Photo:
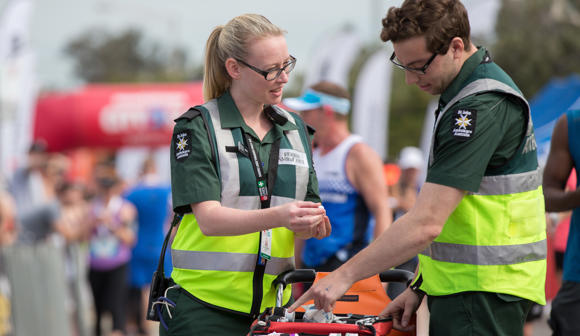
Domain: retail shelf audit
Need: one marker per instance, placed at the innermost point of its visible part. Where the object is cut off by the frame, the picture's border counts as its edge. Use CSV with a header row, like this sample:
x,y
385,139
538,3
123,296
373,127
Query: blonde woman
x,y
242,174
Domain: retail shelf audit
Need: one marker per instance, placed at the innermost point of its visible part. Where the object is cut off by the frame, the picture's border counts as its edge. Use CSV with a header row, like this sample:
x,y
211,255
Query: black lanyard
x,y
265,187
264,184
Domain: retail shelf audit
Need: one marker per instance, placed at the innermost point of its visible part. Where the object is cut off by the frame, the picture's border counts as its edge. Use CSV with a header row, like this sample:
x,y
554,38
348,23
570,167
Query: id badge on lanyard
x,y
266,244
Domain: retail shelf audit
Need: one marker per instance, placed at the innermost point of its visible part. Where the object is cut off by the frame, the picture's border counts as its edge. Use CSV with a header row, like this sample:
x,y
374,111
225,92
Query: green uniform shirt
x,y
469,144
195,178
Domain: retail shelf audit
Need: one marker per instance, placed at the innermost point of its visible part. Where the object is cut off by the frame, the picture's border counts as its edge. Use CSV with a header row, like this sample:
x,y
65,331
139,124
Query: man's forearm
x,y
558,200
404,239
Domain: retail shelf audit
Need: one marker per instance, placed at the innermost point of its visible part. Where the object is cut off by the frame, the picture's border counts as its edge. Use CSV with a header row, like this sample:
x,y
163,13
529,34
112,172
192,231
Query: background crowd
x,y
108,233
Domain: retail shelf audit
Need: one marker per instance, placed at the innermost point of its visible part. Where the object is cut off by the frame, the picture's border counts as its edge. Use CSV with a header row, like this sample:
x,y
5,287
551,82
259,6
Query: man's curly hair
x,y
438,20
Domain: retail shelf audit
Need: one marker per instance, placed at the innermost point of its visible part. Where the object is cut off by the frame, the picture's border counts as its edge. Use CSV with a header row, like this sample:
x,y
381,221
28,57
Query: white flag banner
x,y
428,123
372,96
427,135
17,84
333,59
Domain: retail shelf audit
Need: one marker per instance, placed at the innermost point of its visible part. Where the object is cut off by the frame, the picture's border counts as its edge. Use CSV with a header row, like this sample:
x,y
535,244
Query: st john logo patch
x,y
182,145
463,124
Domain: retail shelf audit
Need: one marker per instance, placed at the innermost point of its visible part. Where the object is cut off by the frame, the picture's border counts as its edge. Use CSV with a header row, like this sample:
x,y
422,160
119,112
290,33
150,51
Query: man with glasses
x,y
478,224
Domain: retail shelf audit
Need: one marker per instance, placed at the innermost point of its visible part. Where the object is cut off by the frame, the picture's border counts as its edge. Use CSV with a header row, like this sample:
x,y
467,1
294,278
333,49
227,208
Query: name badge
x,y
292,157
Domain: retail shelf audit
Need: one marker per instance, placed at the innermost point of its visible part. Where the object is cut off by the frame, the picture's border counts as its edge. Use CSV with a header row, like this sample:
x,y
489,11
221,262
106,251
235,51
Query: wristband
x,y
415,289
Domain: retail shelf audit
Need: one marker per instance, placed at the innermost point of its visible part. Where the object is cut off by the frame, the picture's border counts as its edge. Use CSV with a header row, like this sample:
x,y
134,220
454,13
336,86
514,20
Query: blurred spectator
x,y
151,198
37,208
8,231
72,231
7,237
411,164
72,224
563,157
112,237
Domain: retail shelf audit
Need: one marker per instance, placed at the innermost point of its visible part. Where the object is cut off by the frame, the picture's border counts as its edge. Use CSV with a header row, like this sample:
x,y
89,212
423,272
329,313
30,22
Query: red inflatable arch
x,y
113,116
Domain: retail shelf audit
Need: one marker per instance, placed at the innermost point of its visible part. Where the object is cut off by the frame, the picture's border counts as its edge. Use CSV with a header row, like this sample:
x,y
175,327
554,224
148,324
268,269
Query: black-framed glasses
x,y
273,73
422,70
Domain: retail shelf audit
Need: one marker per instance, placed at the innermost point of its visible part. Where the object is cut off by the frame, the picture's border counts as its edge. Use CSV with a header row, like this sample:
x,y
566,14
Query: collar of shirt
x,y
459,82
231,118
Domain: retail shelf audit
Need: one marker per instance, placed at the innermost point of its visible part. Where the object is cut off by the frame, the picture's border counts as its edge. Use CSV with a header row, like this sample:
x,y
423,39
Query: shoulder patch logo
x,y
182,145
463,124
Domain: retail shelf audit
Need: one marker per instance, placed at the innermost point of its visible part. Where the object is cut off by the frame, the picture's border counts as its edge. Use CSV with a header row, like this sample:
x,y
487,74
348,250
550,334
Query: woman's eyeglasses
x,y
273,73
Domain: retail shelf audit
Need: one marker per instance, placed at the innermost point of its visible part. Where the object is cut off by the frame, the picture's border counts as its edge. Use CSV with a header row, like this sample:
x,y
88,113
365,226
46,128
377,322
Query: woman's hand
x,y
319,231
306,219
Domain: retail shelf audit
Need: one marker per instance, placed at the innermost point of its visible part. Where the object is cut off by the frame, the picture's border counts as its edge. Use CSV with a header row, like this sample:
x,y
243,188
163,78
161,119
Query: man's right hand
x,y
402,309
324,292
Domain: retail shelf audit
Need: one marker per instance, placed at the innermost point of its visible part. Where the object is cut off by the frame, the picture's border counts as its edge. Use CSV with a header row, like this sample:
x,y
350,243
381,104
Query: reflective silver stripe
x,y
229,166
302,173
485,84
486,255
228,262
279,200
509,184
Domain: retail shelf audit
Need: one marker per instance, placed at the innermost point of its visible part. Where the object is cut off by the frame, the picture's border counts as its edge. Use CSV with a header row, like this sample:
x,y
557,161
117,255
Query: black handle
x,y
308,275
293,276
397,275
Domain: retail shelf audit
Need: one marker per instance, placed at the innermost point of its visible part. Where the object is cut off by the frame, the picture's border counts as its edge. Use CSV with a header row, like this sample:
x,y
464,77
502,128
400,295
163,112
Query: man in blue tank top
x,y
350,179
564,156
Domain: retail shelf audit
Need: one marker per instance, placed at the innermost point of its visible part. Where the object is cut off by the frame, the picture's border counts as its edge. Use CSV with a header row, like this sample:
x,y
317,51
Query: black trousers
x,y
565,314
110,292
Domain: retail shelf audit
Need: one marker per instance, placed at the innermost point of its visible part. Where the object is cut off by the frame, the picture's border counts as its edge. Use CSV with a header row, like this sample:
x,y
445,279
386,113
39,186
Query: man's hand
x,y
402,309
325,292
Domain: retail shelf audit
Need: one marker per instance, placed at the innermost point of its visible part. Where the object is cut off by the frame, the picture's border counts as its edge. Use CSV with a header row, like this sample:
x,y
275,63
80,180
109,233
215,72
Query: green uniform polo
x,y
195,179
497,128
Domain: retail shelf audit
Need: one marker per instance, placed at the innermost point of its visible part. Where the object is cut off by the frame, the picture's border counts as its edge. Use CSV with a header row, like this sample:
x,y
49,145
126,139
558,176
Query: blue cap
x,y
311,100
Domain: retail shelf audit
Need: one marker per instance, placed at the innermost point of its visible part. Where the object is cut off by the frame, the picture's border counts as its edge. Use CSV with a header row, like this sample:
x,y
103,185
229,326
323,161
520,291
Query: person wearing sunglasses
x,y
478,223
243,179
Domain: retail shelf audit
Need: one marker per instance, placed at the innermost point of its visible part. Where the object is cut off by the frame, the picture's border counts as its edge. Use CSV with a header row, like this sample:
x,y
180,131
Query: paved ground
x,y
540,327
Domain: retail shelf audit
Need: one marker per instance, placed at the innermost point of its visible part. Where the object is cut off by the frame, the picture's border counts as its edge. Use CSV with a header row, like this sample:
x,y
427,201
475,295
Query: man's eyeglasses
x,y
273,73
422,70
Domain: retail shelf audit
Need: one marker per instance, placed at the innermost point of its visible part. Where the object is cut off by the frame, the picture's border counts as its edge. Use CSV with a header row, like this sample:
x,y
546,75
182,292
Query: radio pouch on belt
x,y
160,283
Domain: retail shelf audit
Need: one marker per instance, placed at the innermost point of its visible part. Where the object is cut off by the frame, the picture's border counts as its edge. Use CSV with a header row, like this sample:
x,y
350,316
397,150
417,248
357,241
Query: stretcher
x,y
355,313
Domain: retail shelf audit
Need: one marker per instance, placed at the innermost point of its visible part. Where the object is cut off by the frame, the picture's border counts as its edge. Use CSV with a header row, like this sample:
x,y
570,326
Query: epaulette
x,y
189,114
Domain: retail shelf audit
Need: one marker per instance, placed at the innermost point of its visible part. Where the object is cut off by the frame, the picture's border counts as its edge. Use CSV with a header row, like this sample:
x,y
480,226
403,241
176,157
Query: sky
x,y
188,23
